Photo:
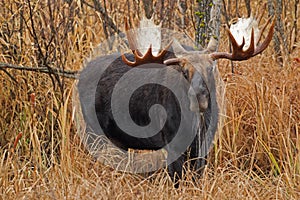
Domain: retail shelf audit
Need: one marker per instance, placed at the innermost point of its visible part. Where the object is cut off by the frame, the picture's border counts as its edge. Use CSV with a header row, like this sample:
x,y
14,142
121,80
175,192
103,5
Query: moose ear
x,y
212,45
178,50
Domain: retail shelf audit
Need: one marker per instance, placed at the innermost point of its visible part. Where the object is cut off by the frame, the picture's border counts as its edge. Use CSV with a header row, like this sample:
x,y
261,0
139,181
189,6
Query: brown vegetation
x,y
256,154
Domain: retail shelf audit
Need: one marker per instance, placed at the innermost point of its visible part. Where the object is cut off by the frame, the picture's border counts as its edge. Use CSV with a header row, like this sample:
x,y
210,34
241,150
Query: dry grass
x,y
256,156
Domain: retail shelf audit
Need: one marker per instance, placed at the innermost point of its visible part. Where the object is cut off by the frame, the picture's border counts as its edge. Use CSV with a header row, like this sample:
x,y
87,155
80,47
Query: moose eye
x,y
186,74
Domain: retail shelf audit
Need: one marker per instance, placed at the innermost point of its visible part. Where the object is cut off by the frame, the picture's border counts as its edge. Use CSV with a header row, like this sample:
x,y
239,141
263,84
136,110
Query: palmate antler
x,y
140,59
238,53
147,58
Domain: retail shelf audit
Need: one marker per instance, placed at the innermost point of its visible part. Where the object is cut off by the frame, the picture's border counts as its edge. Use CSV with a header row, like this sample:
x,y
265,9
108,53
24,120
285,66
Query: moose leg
x,y
175,169
197,162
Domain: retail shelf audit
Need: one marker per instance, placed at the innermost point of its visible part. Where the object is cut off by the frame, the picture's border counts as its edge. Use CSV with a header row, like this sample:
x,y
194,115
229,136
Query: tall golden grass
x,y
256,154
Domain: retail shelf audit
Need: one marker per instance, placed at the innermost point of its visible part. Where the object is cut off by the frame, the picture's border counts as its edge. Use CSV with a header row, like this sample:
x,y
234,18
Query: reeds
x,y
255,156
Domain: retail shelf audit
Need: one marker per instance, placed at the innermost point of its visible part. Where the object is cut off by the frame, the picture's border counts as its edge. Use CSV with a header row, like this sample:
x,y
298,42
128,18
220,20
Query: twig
x,y
248,7
53,70
41,58
9,75
97,6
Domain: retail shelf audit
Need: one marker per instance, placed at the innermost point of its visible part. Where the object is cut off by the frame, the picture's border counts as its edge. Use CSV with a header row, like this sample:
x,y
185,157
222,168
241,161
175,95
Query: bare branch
x,y
9,75
53,70
97,6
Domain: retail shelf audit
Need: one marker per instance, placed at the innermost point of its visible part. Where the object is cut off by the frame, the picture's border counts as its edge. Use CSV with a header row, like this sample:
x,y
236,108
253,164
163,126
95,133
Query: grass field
x,y
256,154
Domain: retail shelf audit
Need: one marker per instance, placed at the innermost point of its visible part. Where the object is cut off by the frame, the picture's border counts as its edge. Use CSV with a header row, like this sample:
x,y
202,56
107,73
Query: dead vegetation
x,y
256,154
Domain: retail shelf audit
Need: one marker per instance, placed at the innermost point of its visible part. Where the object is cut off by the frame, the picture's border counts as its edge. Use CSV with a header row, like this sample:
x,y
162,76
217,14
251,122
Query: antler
x,y
147,58
238,53
139,57
131,37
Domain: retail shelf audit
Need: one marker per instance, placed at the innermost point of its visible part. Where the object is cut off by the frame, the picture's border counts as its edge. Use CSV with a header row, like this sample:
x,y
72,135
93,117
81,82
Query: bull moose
x,y
196,108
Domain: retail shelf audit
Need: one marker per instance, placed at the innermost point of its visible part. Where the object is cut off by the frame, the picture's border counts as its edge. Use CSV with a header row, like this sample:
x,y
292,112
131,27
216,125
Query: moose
x,y
198,97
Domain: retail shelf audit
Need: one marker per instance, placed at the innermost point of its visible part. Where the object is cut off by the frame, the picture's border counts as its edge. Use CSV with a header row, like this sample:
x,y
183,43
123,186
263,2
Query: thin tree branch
x,y
97,6
53,70
9,75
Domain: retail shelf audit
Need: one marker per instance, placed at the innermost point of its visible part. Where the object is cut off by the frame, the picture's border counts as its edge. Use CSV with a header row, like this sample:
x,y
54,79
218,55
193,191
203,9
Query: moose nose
x,y
203,102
